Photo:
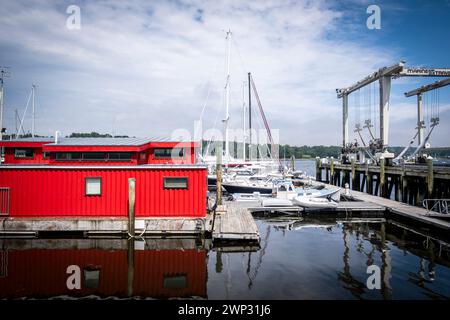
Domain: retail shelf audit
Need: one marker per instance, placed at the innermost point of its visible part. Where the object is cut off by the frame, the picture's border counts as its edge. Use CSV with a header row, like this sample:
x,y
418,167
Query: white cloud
x,y
142,67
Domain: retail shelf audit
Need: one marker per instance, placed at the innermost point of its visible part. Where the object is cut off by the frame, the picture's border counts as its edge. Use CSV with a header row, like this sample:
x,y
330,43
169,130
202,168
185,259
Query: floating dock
x,y
235,223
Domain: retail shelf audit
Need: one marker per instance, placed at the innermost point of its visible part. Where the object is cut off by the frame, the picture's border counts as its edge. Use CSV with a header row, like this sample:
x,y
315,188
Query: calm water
x,y
311,259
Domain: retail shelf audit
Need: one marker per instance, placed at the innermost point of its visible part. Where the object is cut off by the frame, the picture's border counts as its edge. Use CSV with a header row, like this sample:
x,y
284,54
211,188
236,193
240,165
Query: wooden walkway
x,y
359,206
402,209
236,223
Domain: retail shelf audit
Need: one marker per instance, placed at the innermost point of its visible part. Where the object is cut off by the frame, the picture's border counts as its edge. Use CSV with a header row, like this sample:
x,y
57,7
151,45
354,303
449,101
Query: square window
x,y
24,153
93,186
175,182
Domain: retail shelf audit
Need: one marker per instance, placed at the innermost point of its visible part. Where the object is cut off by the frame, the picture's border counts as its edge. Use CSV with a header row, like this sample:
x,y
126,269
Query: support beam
x,y
420,121
385,92
385,71
344,120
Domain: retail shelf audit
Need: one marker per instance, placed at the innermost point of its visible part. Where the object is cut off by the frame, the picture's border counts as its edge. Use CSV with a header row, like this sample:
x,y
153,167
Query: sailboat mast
x,y
227,95
4,73
32,123
243,120
1,108
249,119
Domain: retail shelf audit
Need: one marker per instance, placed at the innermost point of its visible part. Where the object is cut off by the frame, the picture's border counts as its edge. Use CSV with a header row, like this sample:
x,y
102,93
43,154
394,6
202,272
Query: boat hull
x,y
232,188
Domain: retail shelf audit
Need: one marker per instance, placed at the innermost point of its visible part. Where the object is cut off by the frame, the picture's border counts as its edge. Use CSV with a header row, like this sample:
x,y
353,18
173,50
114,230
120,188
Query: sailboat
x,y
241,175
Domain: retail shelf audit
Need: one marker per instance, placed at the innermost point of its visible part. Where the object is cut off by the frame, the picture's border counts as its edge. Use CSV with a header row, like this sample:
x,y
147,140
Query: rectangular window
x,y
24,153
94,156
46,155
119,156
93,186
175,182
68,156
173,153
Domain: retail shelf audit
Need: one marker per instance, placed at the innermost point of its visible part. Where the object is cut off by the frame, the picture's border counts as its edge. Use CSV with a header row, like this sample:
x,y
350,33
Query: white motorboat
x,y
249,197
331,200
275,202
317,203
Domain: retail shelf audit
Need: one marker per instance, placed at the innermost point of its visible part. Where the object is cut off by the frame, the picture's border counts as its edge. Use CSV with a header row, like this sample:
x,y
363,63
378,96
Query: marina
x,y
136,169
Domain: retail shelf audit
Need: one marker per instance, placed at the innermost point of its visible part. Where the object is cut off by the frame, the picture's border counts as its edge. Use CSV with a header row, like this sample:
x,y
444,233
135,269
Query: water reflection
x,y
298,258
322,258
109,268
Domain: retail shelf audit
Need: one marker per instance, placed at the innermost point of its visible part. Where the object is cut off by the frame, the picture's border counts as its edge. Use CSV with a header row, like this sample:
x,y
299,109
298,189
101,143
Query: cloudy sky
x,y
146,68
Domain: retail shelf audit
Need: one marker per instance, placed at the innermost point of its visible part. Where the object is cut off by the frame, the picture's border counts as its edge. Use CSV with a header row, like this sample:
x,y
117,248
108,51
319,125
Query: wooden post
x,y
369,183
390,186
346,178
355,182
398,193
219,173
363,182
404,185
382,178
332,178
293,163
131,202
377,185
318,170
430,177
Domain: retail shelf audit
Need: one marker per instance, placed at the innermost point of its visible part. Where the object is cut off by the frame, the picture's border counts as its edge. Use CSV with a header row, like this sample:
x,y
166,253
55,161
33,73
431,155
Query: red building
x,y
89,177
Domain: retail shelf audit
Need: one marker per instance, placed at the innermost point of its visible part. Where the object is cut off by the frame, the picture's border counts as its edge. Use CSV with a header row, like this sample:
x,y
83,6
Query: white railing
x,y
437,205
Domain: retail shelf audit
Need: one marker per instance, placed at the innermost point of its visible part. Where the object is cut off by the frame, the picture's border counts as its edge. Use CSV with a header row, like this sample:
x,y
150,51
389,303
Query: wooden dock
x,y
234,224
408,183
359,206
402,209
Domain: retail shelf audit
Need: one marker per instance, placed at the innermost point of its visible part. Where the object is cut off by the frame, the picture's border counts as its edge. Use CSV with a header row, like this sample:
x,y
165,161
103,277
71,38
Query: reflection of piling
x,y
131,202
386,265
130,263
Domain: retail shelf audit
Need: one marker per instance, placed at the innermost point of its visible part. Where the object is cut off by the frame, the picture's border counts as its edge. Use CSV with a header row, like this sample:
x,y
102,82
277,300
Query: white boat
x,y
249,197
275,202
318,203
329,201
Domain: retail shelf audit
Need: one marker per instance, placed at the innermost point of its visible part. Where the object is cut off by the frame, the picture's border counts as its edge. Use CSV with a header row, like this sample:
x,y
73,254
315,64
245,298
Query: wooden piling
x,y
318,171
332,178
219,173
354,184
430,177
293,163
131,205
382,178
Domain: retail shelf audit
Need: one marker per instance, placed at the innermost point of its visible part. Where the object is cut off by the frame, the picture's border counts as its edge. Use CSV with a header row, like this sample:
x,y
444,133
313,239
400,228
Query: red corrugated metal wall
x,y
42,273
61,192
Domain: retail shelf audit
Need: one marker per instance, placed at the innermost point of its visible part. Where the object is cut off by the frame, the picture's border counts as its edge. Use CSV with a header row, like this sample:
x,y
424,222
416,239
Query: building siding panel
x,y
61,192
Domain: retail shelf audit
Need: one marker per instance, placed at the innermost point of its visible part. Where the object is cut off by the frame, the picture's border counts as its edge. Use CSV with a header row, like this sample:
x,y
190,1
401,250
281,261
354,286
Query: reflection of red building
x,y
89,177
41,273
